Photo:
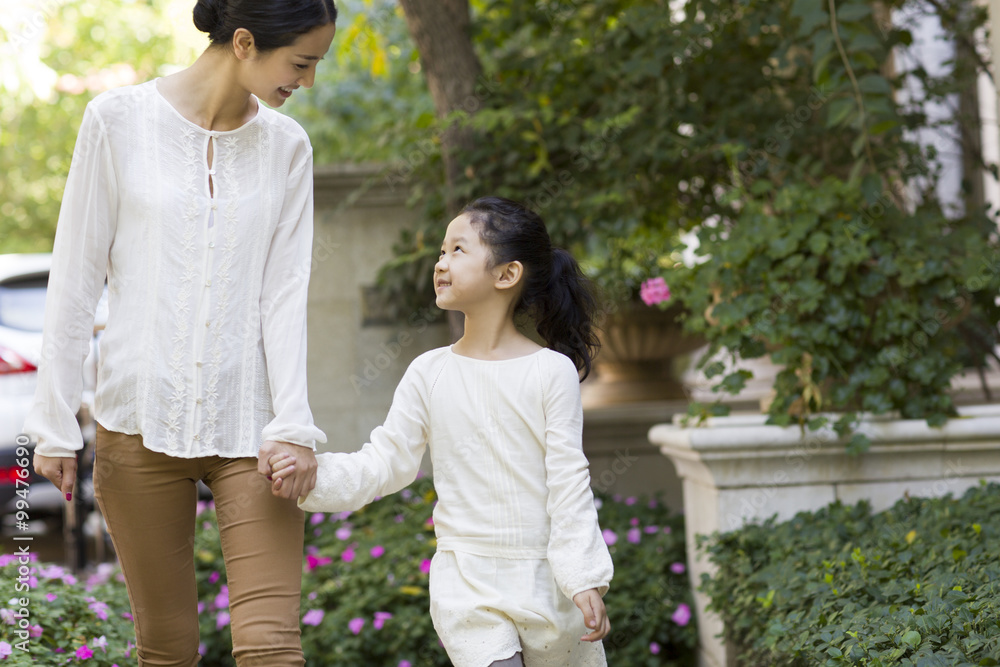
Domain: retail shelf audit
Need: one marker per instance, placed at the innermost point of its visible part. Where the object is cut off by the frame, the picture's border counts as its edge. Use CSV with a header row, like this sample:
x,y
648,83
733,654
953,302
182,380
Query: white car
x,y
23,284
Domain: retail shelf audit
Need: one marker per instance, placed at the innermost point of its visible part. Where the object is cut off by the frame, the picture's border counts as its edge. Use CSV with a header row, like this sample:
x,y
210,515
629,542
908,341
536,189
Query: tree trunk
x,y
440,29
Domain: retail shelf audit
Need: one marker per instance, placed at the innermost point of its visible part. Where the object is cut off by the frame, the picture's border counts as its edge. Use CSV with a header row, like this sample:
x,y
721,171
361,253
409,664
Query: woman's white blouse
x,y
204,351
509,470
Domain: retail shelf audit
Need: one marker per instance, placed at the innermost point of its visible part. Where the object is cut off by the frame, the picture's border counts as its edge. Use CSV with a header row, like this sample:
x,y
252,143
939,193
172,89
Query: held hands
x,y
295,475
594,614
60,470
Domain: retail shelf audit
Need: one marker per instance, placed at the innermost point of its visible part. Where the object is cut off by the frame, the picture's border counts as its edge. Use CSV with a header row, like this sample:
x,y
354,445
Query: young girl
x,y
517,534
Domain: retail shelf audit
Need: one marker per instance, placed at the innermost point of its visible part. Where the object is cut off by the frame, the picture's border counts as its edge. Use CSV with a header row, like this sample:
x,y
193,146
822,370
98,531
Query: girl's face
x,y
461,275
272,76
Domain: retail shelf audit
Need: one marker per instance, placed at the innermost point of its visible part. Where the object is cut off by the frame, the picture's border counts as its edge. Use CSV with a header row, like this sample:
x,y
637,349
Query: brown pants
x,y
148,501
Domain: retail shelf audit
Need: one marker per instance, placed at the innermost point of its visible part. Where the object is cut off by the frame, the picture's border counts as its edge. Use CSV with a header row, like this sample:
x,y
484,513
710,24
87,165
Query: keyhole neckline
x,y
196,126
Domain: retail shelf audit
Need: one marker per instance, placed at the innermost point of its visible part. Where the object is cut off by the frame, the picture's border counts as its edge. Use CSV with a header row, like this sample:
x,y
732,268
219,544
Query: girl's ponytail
x,y
564,315
555,293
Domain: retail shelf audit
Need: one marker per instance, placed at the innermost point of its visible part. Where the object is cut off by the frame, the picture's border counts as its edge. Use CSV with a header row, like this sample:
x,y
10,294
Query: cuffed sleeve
x,y
576,550
84,234
284,296
386,464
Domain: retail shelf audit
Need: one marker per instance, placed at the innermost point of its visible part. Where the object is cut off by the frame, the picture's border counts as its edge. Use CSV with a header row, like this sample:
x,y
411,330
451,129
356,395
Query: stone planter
x,y
639,345
737,469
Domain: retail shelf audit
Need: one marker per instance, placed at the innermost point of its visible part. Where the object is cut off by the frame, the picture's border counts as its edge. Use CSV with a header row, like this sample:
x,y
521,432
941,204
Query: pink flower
x,y
7,559
609,537
631,500
201,607
312,562
377,551
380,618
343,533
677,568
654,648
634,535
666,530
634,521
8,617
51,597
101,642
5,650
100,609
651,530
214,577
35,631
222,620
425,566
84,652
355,625
654,291
202,649
222,599
404,663
348,555
316,519
682,615
313,617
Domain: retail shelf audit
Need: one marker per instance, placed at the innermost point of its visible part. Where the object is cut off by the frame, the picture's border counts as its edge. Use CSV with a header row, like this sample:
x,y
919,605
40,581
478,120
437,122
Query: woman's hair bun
x,y
208,15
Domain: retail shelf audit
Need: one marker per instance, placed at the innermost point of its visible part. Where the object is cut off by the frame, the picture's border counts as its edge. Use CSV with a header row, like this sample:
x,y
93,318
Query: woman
x,y
194,201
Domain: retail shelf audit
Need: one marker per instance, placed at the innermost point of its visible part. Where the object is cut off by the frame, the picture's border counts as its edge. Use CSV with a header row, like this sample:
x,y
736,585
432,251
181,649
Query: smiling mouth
x,y
442,283
286,91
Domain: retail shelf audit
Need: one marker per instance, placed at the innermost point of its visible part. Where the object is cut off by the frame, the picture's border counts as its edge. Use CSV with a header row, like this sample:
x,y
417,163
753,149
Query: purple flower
x,y
214,577
222,620
222,599
312,562
609,537
35,631
6,649
404,663
313,595
380,618
51,597
313,617
84,652
634,521
651,530
654,648
682,615
348,555
654,291
666,530
7,559
316,519
677,568
398,518
201,607
343,533
8,617
377,551
631,500
634,535
355,625
101,642
425,566
202,649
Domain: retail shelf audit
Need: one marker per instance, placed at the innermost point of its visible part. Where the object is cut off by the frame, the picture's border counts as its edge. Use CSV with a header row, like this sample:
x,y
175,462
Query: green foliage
x,y
762,158
915,585
57,57
63,615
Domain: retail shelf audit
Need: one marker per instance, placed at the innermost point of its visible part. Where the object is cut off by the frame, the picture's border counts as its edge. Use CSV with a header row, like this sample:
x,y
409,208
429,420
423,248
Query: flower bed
x,y
364,588
917,585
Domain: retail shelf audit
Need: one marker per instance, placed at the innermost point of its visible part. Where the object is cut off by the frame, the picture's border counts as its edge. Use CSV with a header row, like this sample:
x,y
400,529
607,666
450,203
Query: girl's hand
x,y
595,616
296,482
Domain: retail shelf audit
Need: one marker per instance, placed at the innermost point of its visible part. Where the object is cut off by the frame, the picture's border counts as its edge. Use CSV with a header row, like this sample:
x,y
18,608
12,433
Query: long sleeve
x,y
346,482
577,552
284,296
84,234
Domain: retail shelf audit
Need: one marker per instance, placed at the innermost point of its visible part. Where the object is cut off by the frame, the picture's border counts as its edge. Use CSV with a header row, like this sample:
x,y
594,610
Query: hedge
x,y
916,585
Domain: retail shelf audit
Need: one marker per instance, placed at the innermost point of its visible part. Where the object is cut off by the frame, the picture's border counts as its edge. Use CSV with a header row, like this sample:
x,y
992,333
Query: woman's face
x,y
273,75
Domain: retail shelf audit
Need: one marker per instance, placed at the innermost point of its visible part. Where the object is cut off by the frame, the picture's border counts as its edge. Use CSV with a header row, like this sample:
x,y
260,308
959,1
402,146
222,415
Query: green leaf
x,y
911,638
853,11
839,110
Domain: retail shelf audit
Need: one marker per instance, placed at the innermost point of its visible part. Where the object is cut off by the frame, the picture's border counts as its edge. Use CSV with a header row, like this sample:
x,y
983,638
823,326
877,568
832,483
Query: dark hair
x,y
273,23
555,294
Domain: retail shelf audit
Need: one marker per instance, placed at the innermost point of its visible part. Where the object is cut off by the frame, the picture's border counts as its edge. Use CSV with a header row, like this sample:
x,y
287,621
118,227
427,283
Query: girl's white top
x,y
509,470
202,287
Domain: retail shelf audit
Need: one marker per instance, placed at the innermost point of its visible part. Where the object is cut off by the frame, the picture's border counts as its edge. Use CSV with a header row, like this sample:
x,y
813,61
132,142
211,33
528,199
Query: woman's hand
x,y
594,614
60,470
298,472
